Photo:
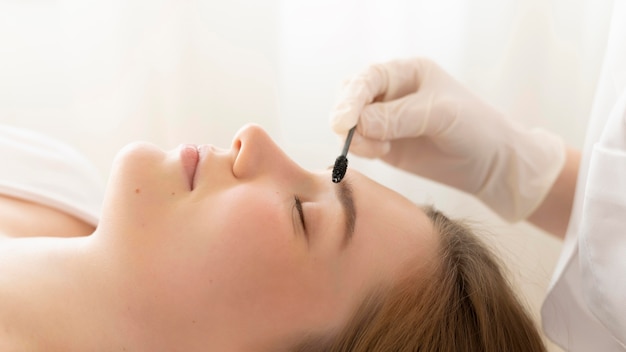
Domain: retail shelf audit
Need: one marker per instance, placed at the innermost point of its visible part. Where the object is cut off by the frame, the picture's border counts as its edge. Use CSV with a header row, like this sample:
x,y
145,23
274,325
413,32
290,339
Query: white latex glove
x,y
413,115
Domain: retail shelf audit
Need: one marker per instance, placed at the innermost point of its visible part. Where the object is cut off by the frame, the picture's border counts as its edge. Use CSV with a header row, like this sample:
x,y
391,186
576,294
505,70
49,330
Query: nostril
x,y
253,149
237,161
236,145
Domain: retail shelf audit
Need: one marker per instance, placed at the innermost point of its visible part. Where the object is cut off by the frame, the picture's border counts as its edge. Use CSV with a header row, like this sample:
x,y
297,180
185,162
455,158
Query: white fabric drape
x,y
100,74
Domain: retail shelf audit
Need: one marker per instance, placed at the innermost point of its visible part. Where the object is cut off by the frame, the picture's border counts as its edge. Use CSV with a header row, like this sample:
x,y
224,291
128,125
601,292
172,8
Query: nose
x,y
258,155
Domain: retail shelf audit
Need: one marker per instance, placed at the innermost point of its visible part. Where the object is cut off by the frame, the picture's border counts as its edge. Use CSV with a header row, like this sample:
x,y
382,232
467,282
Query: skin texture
x,y
217,262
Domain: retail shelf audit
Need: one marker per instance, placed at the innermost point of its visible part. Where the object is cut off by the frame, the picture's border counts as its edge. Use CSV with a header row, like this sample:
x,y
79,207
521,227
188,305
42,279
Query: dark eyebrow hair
x,y
345,196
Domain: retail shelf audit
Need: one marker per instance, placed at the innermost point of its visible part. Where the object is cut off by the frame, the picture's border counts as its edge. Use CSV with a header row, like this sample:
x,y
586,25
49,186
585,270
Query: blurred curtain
x,y
100,74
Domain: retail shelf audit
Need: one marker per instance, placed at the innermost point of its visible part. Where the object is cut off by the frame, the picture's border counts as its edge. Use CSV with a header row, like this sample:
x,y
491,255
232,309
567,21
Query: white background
x,y
100,74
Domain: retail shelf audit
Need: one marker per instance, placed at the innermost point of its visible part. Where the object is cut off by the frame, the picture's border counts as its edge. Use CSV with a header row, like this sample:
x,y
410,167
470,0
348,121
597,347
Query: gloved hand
x,y
413,115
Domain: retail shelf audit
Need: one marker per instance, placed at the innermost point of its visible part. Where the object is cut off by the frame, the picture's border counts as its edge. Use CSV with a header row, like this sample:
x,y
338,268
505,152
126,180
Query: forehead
x,y
388,225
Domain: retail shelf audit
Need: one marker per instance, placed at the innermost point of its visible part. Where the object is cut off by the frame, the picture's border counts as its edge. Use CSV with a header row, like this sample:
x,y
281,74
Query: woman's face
x,y
224,240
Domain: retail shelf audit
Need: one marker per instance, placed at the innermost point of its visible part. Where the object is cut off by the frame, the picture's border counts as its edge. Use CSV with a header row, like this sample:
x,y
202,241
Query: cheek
x,y
259,265
251,232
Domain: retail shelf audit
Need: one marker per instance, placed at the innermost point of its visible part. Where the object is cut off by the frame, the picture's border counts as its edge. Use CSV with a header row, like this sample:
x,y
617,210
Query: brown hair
x,y
464,303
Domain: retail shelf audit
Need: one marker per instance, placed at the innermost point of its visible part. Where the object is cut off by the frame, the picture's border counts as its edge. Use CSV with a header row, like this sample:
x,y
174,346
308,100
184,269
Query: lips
x,y
189,157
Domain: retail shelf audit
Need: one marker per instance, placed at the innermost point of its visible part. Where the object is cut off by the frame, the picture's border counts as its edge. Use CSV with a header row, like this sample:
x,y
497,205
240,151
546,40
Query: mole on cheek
x,y
137,190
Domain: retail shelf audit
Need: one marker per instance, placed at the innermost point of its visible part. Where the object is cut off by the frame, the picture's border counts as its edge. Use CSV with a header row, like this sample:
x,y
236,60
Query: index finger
x,y
378,83
361,90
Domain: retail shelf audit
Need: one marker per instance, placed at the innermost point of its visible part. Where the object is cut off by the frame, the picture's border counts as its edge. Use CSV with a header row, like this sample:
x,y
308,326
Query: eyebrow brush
x,y
341,163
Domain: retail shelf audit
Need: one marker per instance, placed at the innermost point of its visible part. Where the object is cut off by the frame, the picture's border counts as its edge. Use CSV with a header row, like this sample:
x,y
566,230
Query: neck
x,y
80,294
55,296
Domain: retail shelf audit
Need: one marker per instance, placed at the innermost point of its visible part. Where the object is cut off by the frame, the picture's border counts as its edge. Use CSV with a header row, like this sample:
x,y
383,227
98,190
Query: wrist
x,y
523,174
553,213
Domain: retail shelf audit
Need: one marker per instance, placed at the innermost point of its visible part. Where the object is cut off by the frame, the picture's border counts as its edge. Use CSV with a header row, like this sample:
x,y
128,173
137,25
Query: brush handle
x,y
346,146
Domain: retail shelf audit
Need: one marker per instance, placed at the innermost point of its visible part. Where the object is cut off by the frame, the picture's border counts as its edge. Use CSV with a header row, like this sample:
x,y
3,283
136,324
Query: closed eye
x,y
298,205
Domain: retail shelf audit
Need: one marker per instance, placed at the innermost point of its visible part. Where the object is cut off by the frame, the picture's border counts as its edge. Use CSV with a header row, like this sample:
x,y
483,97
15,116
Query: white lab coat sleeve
x,y
602,241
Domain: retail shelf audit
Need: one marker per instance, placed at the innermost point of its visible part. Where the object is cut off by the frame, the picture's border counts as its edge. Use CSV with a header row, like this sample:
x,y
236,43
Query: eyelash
x,y
298,206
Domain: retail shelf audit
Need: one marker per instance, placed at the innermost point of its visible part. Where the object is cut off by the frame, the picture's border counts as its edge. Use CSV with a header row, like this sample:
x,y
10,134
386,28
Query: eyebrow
x,y
344,194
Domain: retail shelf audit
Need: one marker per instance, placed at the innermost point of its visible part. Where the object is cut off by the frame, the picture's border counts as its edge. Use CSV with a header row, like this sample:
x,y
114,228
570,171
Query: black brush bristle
x,y
341,163
339,170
